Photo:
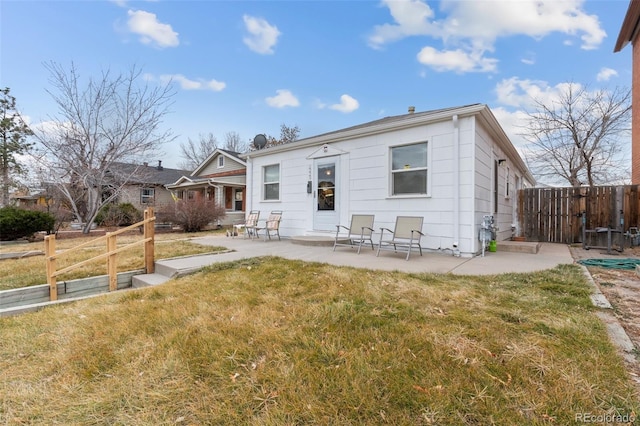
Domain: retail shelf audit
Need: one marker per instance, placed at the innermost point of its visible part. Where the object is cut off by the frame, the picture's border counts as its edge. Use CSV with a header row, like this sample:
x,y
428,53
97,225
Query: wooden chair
x,y
360,231
405,236
251,224
272,224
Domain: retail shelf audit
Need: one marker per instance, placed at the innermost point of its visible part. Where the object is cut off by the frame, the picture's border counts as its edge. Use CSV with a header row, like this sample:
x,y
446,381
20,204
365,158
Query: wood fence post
x,y
149,233
50,253
112,262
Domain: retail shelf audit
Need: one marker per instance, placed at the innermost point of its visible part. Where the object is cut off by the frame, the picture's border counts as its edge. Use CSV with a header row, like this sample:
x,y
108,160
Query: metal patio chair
x,y
251,224
359,232
272,224
405,236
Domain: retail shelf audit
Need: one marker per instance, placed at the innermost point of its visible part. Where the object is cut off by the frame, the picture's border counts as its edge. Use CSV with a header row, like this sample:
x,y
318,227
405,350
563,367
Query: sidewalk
x,y
499,262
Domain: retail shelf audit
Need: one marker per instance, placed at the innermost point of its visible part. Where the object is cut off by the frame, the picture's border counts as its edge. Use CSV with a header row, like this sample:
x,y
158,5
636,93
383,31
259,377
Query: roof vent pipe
x,y
412,109
160,165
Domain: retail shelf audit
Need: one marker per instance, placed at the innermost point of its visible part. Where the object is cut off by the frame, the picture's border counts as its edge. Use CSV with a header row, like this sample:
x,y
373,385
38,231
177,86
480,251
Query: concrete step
x,y
166,269
313,240
519,246
148,280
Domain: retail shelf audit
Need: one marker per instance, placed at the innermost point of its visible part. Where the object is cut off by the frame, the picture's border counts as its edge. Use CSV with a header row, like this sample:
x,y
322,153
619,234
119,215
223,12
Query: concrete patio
x,y
516,260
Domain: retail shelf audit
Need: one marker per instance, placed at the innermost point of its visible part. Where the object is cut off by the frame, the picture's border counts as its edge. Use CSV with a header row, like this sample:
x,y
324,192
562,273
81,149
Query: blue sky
x,y
250,66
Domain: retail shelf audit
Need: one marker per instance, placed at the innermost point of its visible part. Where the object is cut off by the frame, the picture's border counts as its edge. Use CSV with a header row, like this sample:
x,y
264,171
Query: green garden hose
x,y
611,263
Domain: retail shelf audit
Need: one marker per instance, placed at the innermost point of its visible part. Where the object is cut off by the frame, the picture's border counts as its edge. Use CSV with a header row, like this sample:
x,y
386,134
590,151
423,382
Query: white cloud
x,y
529,58
262,35
512,122
283,98
347,104
411,17
188,84
606,73
472,27
455,60
151,31
521,93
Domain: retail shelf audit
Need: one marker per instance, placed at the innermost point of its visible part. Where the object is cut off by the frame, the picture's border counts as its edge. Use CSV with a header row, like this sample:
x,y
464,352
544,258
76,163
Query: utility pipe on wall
x,y
456,186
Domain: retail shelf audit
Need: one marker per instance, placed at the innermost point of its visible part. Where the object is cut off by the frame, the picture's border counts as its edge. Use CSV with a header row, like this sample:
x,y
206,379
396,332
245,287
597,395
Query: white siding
x,y
365,177
364,183
487,153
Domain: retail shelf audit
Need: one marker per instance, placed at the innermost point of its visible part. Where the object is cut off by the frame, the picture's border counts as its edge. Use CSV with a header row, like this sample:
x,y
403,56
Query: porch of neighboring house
x,y
230,195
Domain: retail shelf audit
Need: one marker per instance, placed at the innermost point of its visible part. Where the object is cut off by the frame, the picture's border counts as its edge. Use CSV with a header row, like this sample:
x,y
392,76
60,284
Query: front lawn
x,y
28,271
278,342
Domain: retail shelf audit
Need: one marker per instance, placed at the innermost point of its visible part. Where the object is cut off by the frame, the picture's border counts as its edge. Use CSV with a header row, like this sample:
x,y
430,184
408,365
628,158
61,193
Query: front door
x,y
326,194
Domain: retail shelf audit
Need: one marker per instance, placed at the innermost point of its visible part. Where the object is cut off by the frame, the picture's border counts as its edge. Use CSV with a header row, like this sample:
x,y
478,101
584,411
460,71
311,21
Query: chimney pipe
x,y
412,109
160,165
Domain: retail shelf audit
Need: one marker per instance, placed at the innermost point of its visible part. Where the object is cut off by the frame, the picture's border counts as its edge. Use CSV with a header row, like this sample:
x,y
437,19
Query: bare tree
x,y
13,143
195,152
232,142
110,120
579,137
287,135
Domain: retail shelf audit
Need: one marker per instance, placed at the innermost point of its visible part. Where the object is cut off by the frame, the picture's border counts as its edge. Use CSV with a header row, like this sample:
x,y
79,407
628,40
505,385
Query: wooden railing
x,y
110,255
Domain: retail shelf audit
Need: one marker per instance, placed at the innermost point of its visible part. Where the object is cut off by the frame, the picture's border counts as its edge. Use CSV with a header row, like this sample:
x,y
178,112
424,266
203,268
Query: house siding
x,y
453,208
365,177
212,168
131,194
487,153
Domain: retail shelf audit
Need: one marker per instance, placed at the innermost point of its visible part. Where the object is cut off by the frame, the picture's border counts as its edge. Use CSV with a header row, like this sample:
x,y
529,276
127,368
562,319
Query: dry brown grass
x,y
28,271
276,342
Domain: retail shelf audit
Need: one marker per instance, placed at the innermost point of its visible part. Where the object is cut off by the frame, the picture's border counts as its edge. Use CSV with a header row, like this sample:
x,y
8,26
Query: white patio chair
x,y
359,232
405,236
272,224
251,224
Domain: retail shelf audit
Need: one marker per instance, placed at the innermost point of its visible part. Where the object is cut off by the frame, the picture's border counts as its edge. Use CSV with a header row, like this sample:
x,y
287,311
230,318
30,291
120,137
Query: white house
x,y
451,166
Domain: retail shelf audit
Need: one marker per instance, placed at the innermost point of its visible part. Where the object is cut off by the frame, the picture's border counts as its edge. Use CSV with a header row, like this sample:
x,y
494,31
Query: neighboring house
x,y
26,199
221,178
452,166
630,33
146,186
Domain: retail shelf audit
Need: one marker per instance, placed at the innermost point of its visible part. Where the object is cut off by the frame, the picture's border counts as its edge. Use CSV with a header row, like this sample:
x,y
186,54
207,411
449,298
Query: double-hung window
x,y
146,195
409,169
271,182
220,162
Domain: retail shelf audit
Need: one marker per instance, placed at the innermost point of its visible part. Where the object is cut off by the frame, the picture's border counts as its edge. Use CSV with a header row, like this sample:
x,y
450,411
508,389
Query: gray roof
x,y
149,174
393,118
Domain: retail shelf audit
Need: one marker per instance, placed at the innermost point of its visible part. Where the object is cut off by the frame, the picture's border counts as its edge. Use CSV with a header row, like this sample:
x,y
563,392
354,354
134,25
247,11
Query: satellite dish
x,y
259,141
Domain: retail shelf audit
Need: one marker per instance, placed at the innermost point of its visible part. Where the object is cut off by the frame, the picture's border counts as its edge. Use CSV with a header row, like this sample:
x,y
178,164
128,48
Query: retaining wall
x,y
35,297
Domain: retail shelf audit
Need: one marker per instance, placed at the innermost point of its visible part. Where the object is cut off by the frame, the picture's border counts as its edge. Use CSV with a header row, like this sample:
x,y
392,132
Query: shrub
x,y
18,223
123,214
194,215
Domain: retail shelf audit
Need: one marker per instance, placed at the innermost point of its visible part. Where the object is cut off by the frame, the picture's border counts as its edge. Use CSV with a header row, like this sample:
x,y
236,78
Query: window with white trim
x,y
220,161
409,169
147,195
271,182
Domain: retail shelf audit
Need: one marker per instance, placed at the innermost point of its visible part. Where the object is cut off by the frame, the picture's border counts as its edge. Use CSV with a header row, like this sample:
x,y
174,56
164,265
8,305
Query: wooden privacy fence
x,y
110,254
555,214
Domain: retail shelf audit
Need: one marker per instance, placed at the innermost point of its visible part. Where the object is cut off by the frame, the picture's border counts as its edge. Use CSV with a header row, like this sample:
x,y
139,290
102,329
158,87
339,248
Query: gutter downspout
x,y
456,186
249,185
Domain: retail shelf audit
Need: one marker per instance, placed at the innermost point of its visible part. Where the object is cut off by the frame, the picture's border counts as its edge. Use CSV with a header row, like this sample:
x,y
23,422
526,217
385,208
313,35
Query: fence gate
x,y
555,214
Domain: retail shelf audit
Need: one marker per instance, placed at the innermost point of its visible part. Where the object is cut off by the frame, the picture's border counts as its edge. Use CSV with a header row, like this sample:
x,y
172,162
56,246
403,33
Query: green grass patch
x,y
270,341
